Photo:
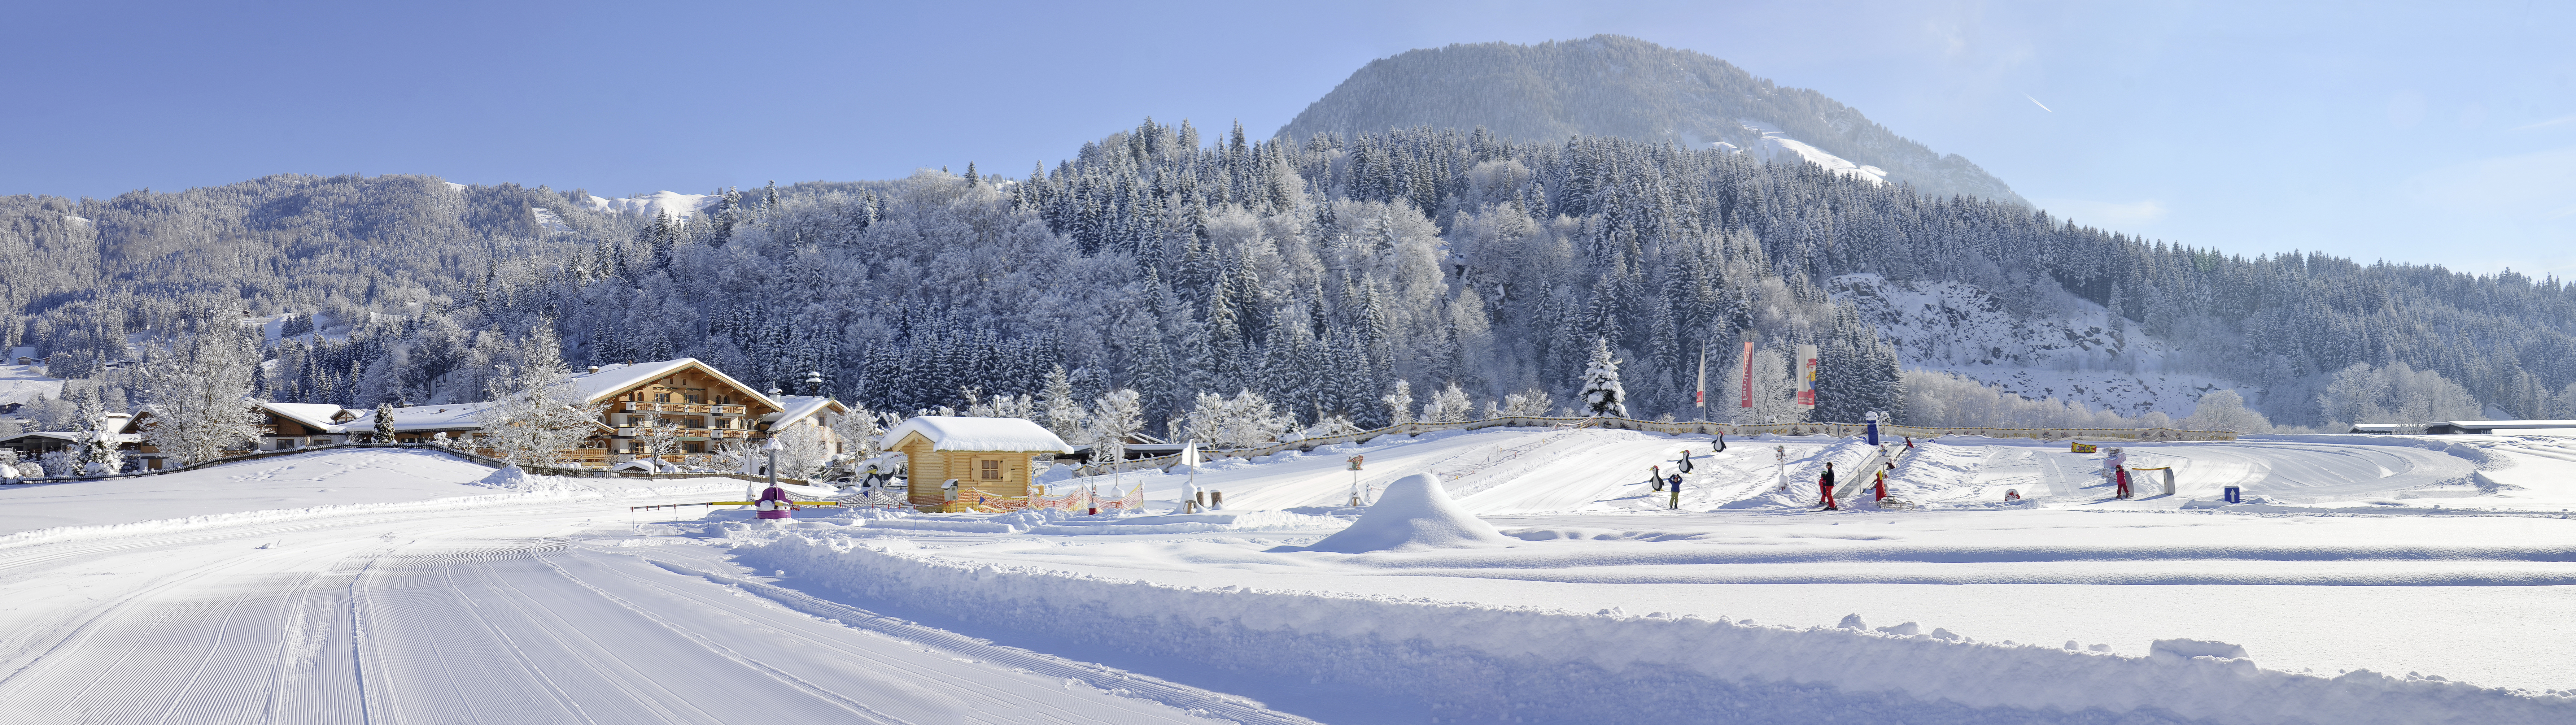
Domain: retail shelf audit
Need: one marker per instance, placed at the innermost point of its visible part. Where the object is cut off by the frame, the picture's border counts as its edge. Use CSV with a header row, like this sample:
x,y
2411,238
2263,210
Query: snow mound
x,y
1414,514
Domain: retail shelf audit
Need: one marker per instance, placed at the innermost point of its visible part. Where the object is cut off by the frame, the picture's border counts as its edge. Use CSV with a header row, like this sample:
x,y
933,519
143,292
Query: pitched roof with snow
x,y
797,407
949,433
613,378
312,415
454,416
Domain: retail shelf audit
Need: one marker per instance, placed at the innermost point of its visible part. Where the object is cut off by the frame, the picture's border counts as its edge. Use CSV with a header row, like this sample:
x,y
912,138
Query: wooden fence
x,y
457,452
1839,430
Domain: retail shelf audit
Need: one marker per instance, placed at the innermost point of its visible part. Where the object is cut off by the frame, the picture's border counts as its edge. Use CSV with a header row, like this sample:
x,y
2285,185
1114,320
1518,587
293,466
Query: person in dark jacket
x,y
1675,483
1826,485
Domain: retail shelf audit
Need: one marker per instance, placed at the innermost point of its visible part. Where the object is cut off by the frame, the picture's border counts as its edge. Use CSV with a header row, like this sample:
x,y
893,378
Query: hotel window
x,y
661,397
989,470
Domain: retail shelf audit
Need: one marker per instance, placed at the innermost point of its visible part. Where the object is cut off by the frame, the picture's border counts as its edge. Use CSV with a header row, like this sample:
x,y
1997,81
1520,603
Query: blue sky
x,y
2438,133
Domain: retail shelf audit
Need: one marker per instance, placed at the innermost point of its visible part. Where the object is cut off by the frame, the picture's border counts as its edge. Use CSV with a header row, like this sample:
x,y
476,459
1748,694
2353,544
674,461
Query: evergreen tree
x,y
1602,394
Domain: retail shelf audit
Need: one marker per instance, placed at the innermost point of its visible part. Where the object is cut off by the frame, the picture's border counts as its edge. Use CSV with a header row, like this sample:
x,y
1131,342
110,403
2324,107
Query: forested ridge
x,y
1315,272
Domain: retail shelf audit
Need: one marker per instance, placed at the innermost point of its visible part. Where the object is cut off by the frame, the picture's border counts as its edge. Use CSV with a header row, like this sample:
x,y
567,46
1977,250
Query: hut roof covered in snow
x,y
952,433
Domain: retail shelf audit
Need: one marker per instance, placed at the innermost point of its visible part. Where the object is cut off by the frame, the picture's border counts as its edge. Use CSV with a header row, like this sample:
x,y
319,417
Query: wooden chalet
x,y
708,407
970,464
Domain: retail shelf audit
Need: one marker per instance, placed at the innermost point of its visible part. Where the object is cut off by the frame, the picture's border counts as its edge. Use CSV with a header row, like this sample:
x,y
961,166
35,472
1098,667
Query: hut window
x,y
696,398
661,397
989,470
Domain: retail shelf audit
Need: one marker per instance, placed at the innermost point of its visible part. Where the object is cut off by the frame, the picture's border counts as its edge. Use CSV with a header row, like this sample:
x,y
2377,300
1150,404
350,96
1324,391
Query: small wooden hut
x,y
989,458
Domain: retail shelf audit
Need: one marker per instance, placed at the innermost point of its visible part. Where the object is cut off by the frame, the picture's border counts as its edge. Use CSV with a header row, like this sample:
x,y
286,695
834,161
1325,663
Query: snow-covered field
x,y
2373,579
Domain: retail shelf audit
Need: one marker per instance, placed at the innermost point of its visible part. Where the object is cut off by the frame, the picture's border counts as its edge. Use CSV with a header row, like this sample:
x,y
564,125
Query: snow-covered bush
x,y
1116,415
1450,405
1242,421
2395,393
1947,400
2225,410
1399,403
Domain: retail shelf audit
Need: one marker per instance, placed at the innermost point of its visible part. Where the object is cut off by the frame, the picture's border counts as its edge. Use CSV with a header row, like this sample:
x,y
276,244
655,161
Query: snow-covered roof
x,y
796,408
957,433
70,436
2490,424
454,416
312,415
613,378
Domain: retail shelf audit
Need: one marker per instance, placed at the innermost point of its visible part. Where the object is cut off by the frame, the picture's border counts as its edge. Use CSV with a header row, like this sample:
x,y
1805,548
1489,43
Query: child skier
x,y
2122,474
1675,481
1826,485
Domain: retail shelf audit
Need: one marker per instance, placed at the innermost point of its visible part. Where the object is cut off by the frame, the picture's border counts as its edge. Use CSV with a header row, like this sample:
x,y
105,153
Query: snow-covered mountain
x,y
1609,85
667,203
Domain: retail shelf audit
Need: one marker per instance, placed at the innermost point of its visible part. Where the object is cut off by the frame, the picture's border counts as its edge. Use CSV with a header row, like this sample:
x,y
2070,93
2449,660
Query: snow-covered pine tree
x,y
1602,394
384,432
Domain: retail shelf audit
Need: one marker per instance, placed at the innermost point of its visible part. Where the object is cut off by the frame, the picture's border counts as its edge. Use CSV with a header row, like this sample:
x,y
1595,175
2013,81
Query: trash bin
x,y
2235,494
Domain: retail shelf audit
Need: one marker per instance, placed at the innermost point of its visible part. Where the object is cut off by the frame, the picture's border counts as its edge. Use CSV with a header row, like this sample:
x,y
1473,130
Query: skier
x,y
1881,487
2122,474
1826,485
1676,483
1909,443
774,503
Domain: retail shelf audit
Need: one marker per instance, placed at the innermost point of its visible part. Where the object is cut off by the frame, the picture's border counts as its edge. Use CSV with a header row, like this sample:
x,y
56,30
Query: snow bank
x,y
1059,523
1493,662
1414,514
520,488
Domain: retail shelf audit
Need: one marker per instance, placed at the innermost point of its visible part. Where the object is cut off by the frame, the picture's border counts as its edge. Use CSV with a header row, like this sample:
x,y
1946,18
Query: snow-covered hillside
x,y
2074,350
1771,145
667,203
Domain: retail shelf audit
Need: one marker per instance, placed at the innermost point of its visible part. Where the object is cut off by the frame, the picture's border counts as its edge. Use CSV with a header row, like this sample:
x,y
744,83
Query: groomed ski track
x,y
495,615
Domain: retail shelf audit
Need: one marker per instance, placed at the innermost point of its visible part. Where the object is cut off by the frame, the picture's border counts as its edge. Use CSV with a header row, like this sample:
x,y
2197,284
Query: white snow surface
x,y
2376,579
666,203
1770,144
1415,514
26,383
960,433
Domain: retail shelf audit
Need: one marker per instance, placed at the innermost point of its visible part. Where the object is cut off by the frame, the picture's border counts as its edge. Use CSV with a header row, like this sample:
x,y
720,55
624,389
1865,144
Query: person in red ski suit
x,y
1826,485
2122,474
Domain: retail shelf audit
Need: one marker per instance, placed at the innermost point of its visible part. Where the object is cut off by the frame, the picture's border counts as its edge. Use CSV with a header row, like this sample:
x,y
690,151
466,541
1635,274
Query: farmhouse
x,y
965,464
704,406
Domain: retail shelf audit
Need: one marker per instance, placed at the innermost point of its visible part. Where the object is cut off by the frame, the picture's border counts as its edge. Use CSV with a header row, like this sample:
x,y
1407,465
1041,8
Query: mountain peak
x,y
1613,85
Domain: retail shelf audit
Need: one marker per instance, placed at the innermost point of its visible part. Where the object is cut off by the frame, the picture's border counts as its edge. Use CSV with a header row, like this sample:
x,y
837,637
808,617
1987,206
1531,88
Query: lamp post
x,y
772,449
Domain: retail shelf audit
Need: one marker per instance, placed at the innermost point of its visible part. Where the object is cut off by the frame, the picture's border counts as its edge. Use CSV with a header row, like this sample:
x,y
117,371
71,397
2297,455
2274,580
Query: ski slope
x,y
423,588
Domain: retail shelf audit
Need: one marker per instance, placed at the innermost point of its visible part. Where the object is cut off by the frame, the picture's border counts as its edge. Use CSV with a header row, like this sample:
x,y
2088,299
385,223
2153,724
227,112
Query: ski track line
x,y
88,629
519,655
1176,695
213,649
855,708
525,602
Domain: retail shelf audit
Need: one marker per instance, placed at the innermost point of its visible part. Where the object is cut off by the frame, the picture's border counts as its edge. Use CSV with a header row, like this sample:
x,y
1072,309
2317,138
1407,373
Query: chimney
x,y
594,368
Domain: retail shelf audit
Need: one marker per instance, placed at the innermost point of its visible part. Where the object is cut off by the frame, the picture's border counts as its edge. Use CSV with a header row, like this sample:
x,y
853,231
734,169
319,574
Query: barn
x,y
988,459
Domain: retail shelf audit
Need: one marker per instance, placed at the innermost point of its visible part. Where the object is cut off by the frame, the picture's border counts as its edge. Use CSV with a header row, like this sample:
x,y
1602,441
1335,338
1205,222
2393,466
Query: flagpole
x,y
1699,394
